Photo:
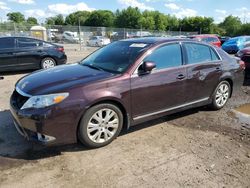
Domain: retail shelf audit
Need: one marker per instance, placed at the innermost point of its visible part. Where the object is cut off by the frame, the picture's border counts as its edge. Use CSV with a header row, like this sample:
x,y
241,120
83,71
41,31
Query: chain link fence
x,y
84,36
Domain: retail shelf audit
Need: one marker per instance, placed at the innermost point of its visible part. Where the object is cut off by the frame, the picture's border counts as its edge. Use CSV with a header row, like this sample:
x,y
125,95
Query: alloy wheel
x,y
48,63
222,95
103,125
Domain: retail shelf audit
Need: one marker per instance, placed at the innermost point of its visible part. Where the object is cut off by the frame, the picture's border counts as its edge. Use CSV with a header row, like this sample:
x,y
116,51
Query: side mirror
x,y
148,66
1,77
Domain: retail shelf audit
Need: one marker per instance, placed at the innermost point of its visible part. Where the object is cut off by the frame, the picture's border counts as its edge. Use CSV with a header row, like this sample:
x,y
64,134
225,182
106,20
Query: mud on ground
x,y
194,148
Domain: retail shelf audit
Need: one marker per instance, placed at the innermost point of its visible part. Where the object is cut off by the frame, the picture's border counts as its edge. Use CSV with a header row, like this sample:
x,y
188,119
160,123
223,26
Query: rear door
x,y
203,71
8,60
29,52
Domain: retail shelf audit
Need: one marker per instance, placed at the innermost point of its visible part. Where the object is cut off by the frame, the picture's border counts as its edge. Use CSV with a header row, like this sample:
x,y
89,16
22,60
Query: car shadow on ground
x,y
10,73
14,146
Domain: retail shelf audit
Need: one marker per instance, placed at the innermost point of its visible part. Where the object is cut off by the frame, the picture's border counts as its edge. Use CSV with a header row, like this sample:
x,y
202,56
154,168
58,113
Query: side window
x,y
26,42
214,56
166,56
197,53
6,43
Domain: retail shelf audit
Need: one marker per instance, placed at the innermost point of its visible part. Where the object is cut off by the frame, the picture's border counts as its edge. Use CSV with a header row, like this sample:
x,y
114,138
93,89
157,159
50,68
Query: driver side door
x,y
164,87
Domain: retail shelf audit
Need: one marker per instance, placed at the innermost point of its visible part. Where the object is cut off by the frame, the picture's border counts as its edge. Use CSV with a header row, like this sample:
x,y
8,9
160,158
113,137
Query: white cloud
x,y
27,2
185,12
135,3
38,13
3,6
54,9
243,13
224,12
63,8
172,6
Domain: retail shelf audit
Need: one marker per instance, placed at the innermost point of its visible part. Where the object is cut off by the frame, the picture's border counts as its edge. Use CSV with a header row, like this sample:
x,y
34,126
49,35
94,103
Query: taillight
x,y
242,65
60,49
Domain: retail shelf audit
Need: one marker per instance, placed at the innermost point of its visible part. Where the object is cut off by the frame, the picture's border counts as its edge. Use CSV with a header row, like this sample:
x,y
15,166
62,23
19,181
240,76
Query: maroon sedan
x,y
120,85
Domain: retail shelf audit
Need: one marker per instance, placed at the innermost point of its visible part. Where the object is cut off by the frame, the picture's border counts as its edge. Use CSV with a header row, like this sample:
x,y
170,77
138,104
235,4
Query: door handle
x,y
180,77
218,69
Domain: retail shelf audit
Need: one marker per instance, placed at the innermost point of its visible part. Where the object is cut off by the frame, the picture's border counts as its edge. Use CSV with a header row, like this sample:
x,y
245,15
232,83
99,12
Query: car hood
x,y
60,78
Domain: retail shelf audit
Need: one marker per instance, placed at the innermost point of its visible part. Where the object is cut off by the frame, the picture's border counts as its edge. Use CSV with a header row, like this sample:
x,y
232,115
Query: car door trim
x,y
170,109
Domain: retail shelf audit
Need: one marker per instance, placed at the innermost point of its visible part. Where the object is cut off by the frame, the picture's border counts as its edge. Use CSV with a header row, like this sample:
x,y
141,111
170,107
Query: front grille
x,y
18,100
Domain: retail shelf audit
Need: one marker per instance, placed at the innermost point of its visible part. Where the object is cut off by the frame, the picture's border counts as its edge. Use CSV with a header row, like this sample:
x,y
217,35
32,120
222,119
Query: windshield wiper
x,y
93,67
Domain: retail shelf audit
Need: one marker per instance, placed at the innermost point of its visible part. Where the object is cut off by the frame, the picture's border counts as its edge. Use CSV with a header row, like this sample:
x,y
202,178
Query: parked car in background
x,y
70,37
244,55
211,39
98,41
235,44
22,53
223,39
122,84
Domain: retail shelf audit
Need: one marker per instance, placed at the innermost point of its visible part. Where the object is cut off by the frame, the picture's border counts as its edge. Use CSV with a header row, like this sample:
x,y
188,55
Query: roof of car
x,y
205,35
154,40
28,37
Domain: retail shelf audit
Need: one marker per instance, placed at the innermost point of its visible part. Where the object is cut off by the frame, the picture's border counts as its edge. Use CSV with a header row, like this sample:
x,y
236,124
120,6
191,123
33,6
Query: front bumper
x,y
30,127
54,125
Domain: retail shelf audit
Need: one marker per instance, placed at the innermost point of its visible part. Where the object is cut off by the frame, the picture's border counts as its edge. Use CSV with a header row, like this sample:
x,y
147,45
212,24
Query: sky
x,y
180,8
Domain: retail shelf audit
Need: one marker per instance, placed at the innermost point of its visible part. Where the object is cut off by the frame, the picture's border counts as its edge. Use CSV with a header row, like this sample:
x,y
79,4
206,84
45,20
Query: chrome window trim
x,y
169,109
22,93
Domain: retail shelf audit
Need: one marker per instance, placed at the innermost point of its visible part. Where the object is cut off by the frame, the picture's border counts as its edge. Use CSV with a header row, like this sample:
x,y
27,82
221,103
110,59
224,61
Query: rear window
x,y
6,43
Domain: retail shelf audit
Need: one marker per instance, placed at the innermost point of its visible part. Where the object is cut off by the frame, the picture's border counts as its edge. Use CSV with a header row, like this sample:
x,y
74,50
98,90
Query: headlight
x,y
42,101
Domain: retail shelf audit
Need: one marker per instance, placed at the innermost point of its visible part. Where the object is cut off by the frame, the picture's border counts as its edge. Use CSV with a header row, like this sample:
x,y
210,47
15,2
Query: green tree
x,y
161,22
128,18
56,20
101,18
16,17
74,18
32,21
197,24
173,23
245,29
232,25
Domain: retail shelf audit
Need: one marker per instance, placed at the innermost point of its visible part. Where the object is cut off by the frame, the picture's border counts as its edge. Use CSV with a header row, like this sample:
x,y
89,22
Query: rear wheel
x,y
221,95
47,63
100,125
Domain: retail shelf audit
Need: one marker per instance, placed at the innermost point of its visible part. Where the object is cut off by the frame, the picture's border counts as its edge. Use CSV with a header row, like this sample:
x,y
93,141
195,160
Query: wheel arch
x,y
117,103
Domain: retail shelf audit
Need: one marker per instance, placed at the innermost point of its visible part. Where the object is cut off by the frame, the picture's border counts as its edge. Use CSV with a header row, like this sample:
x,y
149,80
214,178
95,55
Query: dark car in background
x,y
211,39
120,85
233,45
223,39
244,54
22,53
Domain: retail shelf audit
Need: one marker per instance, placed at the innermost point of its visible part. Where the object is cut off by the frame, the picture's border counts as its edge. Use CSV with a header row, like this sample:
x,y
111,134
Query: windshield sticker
x,y
138,45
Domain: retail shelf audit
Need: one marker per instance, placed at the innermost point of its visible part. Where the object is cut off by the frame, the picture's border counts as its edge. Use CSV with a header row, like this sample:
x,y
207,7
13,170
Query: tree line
x,y
133,18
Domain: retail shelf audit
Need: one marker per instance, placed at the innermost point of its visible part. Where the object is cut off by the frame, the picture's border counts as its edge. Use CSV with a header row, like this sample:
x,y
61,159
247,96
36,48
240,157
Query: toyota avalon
x,y
120,85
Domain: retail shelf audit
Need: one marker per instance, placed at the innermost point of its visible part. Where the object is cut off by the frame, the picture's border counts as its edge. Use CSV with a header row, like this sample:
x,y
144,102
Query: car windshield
x,y
115,57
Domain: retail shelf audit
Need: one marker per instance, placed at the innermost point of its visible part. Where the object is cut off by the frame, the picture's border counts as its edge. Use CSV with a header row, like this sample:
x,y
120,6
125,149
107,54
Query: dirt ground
x,y
194,148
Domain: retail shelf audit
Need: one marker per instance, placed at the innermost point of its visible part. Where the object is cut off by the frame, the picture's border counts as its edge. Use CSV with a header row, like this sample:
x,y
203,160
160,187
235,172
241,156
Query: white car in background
x,y
71,37
98,41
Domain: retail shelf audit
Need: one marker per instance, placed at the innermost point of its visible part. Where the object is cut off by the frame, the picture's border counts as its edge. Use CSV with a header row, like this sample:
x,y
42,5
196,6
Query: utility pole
x,y
79,27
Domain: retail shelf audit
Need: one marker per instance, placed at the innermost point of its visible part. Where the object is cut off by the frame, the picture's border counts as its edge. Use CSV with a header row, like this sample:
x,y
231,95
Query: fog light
x,y
45,138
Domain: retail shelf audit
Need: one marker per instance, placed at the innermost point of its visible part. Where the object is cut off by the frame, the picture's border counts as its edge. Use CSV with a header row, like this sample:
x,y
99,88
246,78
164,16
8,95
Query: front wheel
x,y
100,125
221,95
47,63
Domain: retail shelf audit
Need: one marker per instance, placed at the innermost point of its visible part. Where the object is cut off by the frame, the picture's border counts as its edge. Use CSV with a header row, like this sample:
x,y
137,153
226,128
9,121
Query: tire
x,y
221,95
94,131
47,63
